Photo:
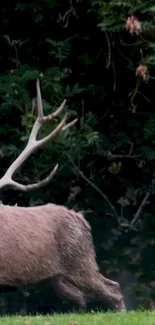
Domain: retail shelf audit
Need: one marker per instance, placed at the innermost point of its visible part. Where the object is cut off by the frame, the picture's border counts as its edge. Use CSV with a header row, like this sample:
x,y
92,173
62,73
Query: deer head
x,y
33,144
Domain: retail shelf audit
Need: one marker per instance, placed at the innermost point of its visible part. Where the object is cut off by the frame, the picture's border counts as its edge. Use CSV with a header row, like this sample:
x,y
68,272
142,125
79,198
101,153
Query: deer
x,y
50,242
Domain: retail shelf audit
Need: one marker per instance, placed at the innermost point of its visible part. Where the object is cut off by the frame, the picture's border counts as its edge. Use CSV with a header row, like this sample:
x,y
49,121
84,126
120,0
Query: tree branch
x,y
104,196
111,156
143,203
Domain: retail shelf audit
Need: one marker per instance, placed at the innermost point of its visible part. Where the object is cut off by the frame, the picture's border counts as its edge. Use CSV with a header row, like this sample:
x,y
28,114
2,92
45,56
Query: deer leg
x,y
108,292
68,291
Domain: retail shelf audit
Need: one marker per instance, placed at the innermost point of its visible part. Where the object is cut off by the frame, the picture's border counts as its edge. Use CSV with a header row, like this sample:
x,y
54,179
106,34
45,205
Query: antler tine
x,y
56,113
41,116
39,102
30,187
53,134
41,119
68,125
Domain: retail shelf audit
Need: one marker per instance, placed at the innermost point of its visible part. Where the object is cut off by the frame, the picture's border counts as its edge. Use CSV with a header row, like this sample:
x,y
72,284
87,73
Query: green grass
x,y
131,318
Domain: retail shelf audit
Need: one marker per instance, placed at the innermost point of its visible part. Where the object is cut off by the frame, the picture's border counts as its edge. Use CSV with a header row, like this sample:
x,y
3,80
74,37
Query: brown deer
x,y
50,242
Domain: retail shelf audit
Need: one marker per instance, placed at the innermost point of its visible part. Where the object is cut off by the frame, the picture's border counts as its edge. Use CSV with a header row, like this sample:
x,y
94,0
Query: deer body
x,y
38,242
50,242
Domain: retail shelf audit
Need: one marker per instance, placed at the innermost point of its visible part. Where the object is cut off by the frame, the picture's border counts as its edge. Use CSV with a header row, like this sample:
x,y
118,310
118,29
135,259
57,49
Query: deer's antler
x,y
34,144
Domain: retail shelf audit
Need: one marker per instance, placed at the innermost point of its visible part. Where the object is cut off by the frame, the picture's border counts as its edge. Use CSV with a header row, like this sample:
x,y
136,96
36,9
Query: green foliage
x,y
60,49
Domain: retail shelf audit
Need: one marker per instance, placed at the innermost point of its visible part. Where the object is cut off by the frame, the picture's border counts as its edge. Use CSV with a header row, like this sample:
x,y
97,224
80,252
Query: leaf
x,y
149,129
123,201
92,138
149,152
24,138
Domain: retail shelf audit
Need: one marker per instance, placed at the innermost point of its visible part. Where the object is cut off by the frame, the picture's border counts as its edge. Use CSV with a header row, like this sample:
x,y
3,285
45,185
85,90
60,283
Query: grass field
x,y
131,318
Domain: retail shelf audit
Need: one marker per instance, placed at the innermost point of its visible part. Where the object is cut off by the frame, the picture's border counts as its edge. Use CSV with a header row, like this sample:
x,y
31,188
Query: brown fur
x,y
50,242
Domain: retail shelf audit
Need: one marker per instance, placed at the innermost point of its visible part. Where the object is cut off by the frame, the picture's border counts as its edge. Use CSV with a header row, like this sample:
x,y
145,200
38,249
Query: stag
x,y
50,242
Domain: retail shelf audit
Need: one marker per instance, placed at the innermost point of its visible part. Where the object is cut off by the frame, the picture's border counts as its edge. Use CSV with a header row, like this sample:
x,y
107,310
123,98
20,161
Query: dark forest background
x,y
100,55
